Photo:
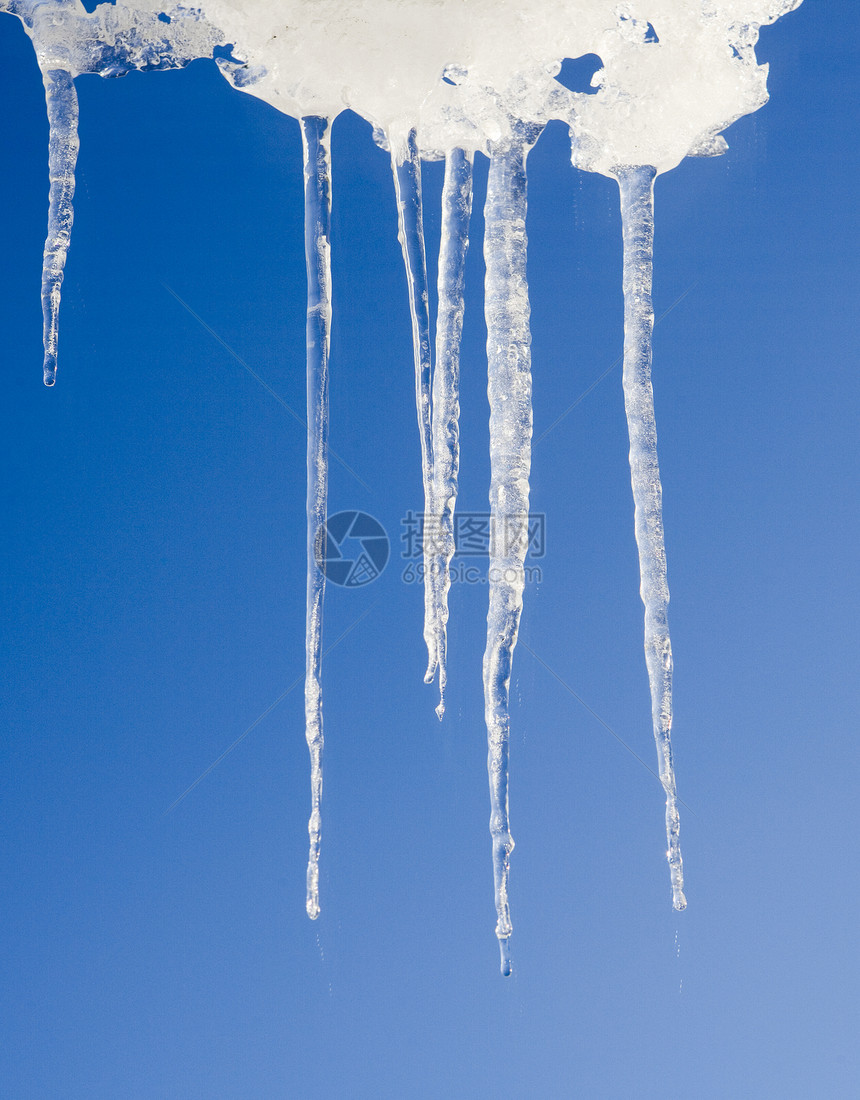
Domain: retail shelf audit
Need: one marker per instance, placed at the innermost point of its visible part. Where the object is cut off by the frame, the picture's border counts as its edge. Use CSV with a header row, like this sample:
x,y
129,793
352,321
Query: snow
x,y
447,79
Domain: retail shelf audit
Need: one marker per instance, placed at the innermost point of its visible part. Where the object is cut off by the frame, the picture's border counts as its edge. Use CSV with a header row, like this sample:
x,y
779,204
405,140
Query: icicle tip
x,y
505,953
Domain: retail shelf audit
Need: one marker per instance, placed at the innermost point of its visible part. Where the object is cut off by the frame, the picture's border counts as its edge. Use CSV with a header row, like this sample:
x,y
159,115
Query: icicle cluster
x,y
442,79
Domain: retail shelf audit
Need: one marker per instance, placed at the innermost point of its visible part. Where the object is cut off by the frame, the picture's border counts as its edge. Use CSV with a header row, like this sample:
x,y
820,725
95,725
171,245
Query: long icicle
x,y
637,215
317,173
63,145
406,166
456,212
506,306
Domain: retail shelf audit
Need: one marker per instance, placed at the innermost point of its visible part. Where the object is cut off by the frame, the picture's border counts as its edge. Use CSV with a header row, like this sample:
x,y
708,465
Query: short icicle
x,y
637,214
63,145
456,212
317,176
406,166
506,306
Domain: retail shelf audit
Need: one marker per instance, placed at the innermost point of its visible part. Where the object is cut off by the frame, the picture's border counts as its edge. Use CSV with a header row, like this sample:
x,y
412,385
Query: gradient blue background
x,y
153,608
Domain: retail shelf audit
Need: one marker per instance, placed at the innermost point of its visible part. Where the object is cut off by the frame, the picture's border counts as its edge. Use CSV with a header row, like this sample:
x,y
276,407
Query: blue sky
x,y
153,609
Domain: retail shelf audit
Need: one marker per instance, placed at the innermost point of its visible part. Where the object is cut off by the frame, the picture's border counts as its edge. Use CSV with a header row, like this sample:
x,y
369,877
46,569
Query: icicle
x,y
456,212
637,214
506,306
406,166
317,172
63,144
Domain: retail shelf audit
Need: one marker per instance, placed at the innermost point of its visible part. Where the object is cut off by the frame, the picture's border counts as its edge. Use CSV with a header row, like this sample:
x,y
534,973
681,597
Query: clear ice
x,y
457,81
637,219
406,167
69,41
317,172
62,103
456,213
506,308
